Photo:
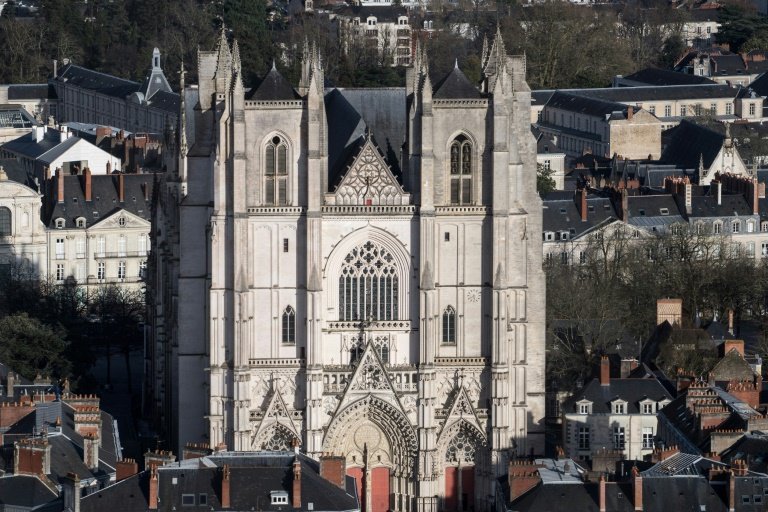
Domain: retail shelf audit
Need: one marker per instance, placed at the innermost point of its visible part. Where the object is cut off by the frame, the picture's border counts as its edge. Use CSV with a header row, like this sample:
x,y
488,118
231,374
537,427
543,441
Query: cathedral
x,y
355,272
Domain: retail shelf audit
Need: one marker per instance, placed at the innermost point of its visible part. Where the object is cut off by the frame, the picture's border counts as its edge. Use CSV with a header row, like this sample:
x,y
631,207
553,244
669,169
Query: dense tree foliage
x,y
30,347
606,289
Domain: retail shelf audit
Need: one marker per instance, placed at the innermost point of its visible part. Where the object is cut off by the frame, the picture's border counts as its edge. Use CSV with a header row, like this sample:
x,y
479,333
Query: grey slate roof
x,y
273,87
456,85
563,214
350,111
640,94
31,92
28,147
630,390
648,211
666,77
730,205
688,143
96,81
585,105
582,497
166,100
24,492
382,13
104,190
252,477
752,448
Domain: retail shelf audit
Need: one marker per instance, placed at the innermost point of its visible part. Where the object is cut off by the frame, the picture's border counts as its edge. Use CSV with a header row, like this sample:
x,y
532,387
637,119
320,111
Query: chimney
x,y
88,184
63,133
296,496
630,112
637,486
583,204
71,490
121,187
225,501
602,494
153,488
60,180
733,344
627,365
523,476
624,205
334,469
88,420
719,187
605,371
754,195
126,468
55,68
32,457
38,132
10,383
146,191
158,458
730,321
195,451
91,450
731,492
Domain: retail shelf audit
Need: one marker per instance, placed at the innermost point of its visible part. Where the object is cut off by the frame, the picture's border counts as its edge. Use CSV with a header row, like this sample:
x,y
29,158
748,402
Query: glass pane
x,y
466,158
455,158
466,189
454,191
282,156
269,191
270,161
282,192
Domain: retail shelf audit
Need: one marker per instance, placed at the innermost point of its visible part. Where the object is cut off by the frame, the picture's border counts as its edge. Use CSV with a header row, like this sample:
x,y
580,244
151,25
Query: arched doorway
x,y
462,447
380,448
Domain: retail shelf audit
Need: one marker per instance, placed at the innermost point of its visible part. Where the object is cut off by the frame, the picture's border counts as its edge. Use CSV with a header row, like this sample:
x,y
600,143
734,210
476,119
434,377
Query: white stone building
x,y
359,272
22,233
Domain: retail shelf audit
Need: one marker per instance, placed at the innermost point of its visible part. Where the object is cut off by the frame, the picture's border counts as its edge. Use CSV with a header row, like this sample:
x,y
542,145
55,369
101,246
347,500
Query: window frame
x,y
276,171
461,171
448,334
6,221
288,326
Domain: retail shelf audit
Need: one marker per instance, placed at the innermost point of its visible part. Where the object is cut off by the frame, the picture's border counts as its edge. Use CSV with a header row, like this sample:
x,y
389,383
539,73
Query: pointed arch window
x,y
461,170
289,325
276,172
449,325
5,221
368,284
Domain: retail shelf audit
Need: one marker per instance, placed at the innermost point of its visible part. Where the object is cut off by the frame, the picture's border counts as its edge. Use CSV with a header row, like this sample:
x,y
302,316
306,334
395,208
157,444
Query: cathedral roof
x,y
274,87
455,86
351,112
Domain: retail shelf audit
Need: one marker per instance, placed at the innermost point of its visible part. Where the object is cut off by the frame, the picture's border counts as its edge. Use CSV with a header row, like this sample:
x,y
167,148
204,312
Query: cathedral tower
x,y
360,274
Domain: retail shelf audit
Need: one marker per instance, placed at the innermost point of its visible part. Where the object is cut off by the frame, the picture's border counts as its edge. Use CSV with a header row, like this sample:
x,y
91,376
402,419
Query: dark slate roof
x,y
730,204
666,77
630,390
273,87
703,14
688,143
545,143
166,100
649,210
131,494
583,497
350,111
585,105
104,194
649,93
28,147
760,85
682,464
31,92
455,85
96,81
752,448
18,173
26,492
683,493
726,65
563,214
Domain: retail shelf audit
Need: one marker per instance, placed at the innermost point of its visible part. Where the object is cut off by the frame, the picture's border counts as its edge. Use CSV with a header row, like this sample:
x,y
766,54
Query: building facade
x,y
22,234
359,272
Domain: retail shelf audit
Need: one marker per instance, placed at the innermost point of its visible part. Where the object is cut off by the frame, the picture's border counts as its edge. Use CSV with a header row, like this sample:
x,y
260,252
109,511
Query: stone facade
x,y
325,280
22,234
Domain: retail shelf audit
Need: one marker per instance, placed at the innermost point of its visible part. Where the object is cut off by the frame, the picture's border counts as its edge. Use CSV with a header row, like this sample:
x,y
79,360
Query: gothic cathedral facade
x,y
356,272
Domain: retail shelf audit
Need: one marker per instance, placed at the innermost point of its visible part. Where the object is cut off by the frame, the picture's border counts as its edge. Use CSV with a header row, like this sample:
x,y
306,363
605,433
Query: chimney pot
x,y
605,371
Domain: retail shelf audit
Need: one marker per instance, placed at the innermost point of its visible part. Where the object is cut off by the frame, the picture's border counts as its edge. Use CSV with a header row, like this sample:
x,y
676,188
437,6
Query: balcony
x,y
121,254
404,378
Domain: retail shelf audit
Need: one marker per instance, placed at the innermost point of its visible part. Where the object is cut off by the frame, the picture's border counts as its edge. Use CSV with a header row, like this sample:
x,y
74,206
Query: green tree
x,y
30,347
247,21
544,181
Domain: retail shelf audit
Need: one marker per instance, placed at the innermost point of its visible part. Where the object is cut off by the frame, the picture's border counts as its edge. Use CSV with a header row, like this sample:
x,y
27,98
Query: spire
x,y
236,64
484,54
306,65
182,114
456,63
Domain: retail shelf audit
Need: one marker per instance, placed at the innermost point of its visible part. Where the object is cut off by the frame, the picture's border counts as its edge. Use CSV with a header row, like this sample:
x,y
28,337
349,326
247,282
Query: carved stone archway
x,y
277,437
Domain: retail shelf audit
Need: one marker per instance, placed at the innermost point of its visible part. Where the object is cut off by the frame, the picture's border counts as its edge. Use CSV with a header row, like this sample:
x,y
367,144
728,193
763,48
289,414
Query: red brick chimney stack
x,y
32,457
153,488
630,112
225,500
522,477
121,187
583,204
602,494
334,469
88,184
637,486
60,178
605,371
126,468
296,495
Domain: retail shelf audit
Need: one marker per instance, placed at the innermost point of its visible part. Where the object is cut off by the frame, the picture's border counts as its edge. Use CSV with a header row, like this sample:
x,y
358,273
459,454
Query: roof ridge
x,y
69,66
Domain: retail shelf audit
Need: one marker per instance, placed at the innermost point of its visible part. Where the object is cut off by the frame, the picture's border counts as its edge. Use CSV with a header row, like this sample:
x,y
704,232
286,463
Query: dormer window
x,y
278,497
648,407
80,222
59,223
619,407
584,407
549,236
